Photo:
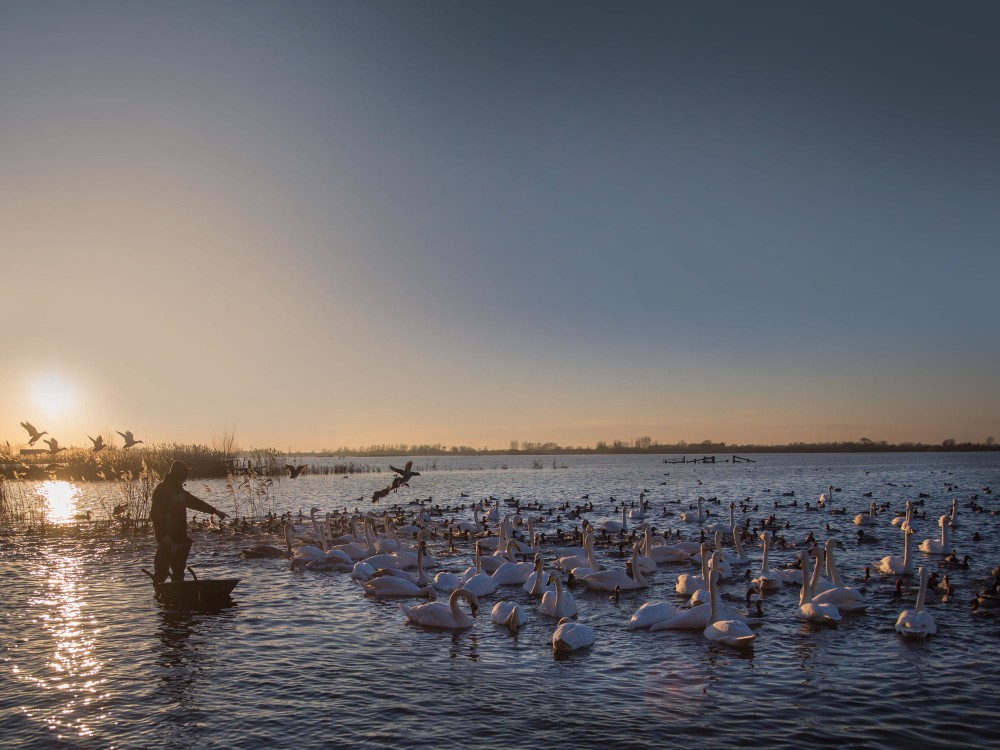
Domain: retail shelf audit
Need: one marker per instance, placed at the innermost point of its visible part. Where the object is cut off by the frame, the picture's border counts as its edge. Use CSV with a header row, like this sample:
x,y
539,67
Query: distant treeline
x,y
645,445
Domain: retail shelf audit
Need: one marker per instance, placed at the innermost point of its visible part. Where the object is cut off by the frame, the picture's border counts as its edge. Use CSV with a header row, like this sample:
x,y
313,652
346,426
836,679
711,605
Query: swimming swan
x,y
558,603
570,635
822,613
441,615
730,632
918,622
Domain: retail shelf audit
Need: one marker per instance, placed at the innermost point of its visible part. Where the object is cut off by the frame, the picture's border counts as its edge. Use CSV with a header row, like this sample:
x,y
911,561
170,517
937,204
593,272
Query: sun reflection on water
x,y
71,674
60,500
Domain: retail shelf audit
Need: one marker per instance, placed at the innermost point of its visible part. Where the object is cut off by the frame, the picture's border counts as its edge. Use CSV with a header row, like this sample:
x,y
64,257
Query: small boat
x,y
197,593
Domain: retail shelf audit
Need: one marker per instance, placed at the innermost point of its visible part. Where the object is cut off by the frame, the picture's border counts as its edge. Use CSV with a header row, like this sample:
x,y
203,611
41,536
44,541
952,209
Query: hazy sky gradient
x,y
343,223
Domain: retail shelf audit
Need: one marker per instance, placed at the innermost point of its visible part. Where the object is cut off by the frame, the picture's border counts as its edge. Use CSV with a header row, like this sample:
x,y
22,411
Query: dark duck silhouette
x,y
53,446
33,434
404,474
294,471
129,439
98,443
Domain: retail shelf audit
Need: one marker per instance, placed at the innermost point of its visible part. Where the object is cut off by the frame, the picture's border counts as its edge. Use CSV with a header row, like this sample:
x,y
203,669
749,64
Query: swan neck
x,y
636,573
922,593
588,544
806,596
713,612
817,570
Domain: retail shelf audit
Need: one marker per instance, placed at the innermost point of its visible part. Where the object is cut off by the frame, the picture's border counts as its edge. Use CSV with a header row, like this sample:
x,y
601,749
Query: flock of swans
x,y
527,570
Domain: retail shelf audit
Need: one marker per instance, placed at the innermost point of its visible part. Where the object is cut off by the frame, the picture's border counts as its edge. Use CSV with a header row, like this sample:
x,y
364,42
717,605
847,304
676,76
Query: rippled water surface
x,y
89,659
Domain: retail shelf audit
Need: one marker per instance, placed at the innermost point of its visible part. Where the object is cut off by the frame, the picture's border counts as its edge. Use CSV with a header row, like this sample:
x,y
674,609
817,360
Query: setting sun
x,y
53,395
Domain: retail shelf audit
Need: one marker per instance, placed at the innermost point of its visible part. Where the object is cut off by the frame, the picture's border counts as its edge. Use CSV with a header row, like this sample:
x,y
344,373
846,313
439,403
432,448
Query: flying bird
x,y
294,471
98,443
129,439
53,446
32,432
405,473
379,494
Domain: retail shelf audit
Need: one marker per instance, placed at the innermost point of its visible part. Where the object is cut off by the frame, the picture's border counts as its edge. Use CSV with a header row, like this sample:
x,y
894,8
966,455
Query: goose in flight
x,y
405,473
53,446
294,471
129,439
33,434
98,443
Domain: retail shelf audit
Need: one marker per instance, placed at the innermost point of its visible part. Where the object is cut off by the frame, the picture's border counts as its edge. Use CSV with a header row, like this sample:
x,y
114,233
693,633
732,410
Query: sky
x,y
326,224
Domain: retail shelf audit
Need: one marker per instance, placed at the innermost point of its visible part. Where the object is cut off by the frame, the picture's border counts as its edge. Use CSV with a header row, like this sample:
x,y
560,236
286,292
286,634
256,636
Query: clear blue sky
x,y
341,223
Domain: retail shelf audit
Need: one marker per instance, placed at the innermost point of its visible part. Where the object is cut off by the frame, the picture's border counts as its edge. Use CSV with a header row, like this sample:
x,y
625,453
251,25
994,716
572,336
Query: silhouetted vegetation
x,y
647,445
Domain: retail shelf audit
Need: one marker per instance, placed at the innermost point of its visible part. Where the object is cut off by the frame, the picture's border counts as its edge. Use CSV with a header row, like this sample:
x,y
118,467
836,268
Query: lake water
x,y
88,659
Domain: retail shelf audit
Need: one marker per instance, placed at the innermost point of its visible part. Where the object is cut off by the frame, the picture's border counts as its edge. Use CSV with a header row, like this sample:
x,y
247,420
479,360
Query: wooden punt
x,y
196,593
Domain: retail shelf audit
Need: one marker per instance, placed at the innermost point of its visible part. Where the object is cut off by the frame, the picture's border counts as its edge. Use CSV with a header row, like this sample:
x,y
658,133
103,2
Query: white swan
x,y
587,560
904,520
386,586
477,581
725,528
558,603
741,555
918,622
844,598
768,580
646,563
822,613
440,615
447,581
616,527
570,635
688,583
355,549
954,513
476,527
508,614
719,563
730,632
651,613
638,514
900,566
512,573
697,517
608,580
935,547
537,583
826,497
697,618
866,520
672,553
